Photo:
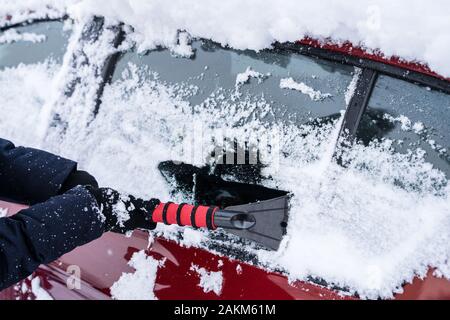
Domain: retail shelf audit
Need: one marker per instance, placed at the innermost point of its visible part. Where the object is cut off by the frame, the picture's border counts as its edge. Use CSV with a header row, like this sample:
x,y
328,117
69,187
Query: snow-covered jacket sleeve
x,y
31,176
46,231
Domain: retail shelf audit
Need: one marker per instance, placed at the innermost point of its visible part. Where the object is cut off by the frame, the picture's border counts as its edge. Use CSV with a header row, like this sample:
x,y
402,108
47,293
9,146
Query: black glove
x,y
124,213
78,178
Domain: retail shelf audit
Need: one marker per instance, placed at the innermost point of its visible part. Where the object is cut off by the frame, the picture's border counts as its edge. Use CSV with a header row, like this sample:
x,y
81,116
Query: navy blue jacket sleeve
x,y
46,231
31,176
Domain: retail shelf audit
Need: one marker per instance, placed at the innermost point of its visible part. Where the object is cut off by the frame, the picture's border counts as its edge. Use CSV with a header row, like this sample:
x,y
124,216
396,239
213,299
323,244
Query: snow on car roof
x,y
414,30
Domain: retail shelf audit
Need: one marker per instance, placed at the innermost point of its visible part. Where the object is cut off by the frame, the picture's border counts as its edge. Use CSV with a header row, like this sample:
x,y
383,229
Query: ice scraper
x,y
264,222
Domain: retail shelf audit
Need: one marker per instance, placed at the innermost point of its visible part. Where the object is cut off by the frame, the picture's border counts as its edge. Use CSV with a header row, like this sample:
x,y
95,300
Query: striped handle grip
x,y
185,215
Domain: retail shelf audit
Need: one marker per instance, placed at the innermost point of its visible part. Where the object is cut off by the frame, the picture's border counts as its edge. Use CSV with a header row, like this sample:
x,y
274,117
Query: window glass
x,y
160,98
33,43
30,57
215,70
150,111
412,116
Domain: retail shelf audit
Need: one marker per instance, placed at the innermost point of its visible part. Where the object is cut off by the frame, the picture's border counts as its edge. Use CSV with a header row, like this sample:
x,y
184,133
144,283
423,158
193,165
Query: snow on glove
x,y
124,213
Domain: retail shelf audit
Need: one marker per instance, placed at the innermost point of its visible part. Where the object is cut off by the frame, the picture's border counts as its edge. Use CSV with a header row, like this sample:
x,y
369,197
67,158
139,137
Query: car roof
x,y
348,48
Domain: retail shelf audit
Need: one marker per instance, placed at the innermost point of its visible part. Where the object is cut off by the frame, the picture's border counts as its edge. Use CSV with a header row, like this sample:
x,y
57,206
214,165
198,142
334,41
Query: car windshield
x,y
273,85
33,43
191,109
30,57
413,117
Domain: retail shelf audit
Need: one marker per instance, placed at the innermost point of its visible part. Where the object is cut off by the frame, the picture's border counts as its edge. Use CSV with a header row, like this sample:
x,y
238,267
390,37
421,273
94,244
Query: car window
x,y
30,57
298,88
412,116
33,43
154,95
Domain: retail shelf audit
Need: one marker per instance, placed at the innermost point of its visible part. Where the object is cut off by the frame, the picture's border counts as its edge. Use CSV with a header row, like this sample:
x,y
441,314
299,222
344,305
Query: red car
x,y
101,263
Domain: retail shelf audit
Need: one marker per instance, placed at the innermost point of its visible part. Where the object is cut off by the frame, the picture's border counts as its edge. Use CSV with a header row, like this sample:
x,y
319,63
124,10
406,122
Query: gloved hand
x,y
78,178
124,213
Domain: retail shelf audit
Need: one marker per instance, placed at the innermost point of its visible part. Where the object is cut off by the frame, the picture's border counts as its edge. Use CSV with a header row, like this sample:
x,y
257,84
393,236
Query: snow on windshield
x,y
244,77
368,227
12,36
12,11
23,91
291,84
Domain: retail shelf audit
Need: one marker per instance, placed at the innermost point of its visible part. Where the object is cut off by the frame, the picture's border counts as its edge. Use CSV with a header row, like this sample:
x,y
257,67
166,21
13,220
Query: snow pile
x,y
209,280
183,48
419,33
23,92
411,29
38,292
245,76
418,127
354,220
291,84
239,269
403,120
120,210
13,36
13,11
140,284
3,212
193,238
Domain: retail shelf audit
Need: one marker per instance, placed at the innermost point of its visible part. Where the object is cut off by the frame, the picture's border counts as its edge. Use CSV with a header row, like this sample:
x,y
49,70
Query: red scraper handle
x,y
185,215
